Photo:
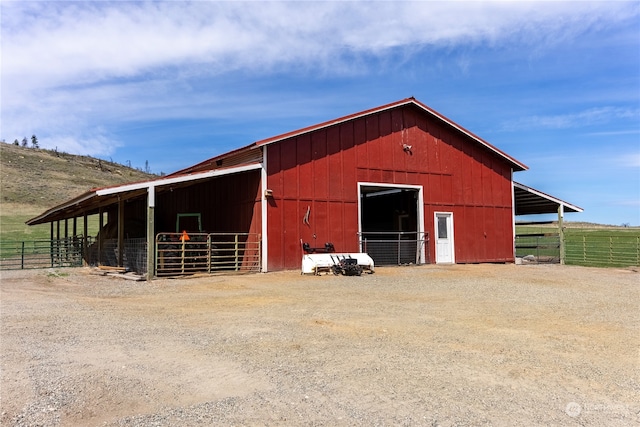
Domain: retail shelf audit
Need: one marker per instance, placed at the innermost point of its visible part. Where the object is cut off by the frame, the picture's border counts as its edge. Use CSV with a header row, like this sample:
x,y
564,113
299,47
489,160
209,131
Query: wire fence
x,y
538,248
41,254
107,252
181,254
396,248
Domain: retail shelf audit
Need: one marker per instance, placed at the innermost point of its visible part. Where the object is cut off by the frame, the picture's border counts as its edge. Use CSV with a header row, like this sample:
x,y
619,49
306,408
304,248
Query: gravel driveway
x,y
456,345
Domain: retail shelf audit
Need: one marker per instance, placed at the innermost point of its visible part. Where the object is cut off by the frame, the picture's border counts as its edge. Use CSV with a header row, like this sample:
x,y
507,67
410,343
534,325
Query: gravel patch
x,y
421,346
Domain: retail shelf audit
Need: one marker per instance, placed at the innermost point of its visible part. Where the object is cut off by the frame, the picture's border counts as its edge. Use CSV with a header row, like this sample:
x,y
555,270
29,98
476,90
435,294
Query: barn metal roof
x,y
529,201
91,201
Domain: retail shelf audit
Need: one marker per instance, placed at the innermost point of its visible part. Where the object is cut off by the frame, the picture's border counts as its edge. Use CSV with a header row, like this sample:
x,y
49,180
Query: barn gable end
x,y
314,178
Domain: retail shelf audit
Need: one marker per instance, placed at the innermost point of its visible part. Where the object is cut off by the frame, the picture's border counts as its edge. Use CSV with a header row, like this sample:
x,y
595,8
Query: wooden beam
x,y
51,242
151,238
561,232
85,240
120,232
100,235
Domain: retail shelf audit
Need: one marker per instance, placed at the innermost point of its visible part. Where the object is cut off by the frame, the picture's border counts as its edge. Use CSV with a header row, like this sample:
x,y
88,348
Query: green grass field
x,y
13,231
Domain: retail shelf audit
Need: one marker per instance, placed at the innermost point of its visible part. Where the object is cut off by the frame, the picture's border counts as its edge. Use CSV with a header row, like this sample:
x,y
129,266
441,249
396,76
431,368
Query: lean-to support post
x,y
120,231
264,244
100,235
65,245
151,243
85,239
561,231
57,252
51,242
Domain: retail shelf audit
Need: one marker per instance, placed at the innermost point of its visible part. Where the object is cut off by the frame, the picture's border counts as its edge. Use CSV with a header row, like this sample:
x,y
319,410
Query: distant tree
x,y
16,142
34,142
146,166
626,224
25,142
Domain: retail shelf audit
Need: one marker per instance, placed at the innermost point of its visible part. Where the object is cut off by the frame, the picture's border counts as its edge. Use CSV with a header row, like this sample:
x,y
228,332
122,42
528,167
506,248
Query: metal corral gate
x,y
395,248
600,250
181,253
41,254
538,248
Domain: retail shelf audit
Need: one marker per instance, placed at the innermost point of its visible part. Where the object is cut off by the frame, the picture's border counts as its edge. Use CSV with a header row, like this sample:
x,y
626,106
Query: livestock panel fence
x,y
396,248
594,247
601,249
57,253
181,254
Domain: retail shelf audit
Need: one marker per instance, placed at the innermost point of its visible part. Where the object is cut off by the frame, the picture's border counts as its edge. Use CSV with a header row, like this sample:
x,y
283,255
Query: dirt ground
x,y
456,345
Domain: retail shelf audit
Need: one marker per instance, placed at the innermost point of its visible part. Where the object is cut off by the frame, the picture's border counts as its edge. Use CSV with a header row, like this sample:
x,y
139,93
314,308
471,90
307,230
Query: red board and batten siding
x,y
318,172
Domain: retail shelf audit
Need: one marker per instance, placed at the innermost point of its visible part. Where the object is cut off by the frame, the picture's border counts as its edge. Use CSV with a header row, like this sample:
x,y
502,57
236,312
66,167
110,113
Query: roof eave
x,y
567,207
73,202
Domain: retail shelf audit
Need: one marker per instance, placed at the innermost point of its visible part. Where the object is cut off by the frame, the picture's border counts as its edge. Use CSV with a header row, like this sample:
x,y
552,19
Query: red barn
x,y
402,168
399,181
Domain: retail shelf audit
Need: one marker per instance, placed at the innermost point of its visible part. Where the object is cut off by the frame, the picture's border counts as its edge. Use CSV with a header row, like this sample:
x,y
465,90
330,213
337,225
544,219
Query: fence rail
x,y
602,251
396,248
206,252
41,254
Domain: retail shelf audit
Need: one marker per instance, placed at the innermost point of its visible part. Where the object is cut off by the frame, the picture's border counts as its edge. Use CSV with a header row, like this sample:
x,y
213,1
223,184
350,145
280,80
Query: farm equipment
x,y
317,260
345,266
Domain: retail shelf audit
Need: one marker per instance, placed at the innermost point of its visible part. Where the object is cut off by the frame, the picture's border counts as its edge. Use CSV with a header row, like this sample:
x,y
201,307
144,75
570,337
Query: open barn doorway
x,y
391,223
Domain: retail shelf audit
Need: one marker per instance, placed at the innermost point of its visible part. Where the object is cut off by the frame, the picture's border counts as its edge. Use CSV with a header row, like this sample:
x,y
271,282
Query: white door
x,y
444,238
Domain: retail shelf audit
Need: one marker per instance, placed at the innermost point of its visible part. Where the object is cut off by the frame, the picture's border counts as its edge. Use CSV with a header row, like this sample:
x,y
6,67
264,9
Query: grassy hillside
x,y
34,180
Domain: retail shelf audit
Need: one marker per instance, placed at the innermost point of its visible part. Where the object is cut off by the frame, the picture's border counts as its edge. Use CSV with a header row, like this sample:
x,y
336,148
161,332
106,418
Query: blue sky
x,y
554,84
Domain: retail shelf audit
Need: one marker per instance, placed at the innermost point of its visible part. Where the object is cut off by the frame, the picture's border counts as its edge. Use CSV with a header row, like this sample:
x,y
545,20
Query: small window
x,y
442,227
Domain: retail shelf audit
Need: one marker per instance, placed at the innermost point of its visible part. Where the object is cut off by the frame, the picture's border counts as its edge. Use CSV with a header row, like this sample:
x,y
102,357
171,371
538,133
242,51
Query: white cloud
x,y
590,117
52,43
64,63
631,160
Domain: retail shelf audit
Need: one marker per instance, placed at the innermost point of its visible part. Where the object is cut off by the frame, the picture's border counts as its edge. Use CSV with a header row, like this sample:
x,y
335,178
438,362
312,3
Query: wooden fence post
x,y
610,250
